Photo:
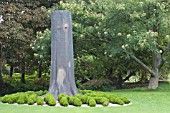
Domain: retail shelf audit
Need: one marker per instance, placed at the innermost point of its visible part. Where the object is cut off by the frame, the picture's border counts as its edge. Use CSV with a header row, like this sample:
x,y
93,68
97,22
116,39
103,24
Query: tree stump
x,y
62,79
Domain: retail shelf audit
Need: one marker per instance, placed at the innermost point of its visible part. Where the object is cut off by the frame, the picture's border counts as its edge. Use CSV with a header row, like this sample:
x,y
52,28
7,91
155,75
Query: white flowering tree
x,y
141,27
41,48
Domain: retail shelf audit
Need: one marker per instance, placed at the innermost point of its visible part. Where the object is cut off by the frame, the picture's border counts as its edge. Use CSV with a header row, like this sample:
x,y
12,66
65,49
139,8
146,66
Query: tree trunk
x,y
154,80
1,64
62,61
23,77
1,80
119,81
23,73
40,69
153,83
11,71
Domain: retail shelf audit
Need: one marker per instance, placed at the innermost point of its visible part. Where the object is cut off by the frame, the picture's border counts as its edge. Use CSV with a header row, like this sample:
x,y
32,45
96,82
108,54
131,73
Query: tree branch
x,y
128,76
142,64
160,61
159,57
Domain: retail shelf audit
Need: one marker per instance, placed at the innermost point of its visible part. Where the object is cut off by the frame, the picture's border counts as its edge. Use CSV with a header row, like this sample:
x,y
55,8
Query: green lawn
x,y
143,101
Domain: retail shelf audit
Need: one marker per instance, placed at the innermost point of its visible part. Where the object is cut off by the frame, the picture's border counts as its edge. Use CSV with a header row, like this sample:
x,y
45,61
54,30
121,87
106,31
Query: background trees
x,y
127,28
112,39
21,21
142,28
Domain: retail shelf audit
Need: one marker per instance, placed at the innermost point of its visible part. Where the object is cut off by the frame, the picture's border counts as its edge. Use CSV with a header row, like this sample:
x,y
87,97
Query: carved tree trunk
x,y
62,61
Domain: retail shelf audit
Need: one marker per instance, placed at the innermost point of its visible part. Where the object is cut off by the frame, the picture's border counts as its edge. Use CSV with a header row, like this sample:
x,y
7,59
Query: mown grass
x,y
143,101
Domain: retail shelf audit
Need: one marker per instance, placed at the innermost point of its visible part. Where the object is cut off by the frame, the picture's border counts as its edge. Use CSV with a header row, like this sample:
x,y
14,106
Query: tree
x,y
141,26
21,21
62,61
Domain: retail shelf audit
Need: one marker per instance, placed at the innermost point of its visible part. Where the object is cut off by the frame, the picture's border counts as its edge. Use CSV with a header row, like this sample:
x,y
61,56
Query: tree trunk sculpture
x,y
62,79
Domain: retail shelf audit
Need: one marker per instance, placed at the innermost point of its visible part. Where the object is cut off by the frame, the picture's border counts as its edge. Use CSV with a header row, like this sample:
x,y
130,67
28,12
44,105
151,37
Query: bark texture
x,y
62,61
157,63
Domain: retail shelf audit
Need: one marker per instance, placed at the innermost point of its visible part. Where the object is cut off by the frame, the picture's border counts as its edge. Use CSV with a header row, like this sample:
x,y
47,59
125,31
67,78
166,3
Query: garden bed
x,y
86,98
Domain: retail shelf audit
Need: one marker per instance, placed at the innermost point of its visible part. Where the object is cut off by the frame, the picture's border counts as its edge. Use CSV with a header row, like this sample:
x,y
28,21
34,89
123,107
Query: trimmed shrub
x,y
8,99
64,101
5,99
102,100
109,96
85,91
91,102
125,100
61,96
16,96
40,101
119,101
106,103
22,98
39,93
91,99
77,102
32,99
29,92
71,100
45,92
49,99
77,95
84,99
52,101
113,100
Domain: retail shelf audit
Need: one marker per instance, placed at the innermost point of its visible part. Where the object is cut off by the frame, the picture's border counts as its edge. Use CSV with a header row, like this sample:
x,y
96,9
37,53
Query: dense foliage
x,y
20,20
110,39
13,85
